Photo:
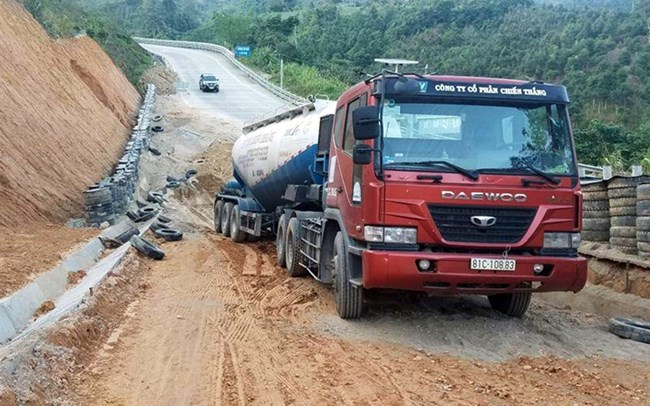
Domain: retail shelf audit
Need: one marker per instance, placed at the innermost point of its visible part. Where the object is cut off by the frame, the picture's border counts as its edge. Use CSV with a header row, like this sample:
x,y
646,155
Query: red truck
x,y
438,184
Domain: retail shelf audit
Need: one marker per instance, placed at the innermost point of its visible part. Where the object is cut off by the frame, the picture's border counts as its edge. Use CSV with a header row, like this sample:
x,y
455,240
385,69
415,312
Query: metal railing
x,y
294,102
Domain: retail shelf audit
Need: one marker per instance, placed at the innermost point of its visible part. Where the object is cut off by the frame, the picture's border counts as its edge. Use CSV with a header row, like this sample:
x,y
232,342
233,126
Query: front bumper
x,y
452,275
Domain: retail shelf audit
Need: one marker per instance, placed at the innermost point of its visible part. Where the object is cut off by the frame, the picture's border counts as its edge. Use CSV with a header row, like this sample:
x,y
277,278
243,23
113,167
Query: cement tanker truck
x,y
436,184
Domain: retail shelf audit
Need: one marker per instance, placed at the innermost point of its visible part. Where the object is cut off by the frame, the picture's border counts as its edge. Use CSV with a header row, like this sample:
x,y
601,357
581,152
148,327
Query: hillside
x,y
600,53
66,114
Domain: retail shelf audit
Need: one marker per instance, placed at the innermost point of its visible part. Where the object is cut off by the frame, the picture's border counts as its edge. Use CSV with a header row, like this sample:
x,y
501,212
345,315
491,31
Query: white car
x,y
209,83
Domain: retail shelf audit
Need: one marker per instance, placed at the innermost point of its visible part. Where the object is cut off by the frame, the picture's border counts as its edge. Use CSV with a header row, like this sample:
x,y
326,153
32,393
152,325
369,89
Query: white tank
x,y
270,158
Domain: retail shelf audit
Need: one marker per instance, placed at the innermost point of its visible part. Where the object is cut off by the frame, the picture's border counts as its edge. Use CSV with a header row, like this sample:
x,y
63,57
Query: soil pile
x,y
66,114
162,77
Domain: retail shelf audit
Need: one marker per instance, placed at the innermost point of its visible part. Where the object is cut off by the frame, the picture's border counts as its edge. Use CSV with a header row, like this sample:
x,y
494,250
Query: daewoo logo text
x,y
489,196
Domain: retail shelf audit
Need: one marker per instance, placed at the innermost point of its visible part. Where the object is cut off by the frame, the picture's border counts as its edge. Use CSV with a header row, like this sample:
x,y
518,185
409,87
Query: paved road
x,y
239,97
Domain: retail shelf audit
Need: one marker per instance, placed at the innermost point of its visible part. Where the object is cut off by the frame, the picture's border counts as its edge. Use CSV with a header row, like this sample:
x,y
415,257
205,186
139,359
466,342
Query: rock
x,y
104,225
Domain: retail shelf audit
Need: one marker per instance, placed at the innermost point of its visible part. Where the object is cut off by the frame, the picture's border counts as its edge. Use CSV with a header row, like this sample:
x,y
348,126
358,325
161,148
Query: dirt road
x,y
221,324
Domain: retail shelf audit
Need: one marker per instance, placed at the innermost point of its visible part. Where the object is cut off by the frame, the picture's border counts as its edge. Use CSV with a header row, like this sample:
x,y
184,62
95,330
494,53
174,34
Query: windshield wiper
x,y
459,169
550,178
547,176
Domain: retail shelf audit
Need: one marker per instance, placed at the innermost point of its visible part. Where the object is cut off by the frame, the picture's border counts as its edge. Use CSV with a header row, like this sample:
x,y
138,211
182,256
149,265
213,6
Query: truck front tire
x,y
293,249
218,215
280,241
512,304
348,298
225,219
236,233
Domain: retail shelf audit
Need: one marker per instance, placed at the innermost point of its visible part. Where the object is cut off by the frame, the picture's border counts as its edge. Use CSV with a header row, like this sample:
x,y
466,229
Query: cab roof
x,y
468,87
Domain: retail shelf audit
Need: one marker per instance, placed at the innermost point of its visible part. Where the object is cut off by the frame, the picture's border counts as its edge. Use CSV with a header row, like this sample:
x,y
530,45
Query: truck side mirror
x,y
366,122
362,154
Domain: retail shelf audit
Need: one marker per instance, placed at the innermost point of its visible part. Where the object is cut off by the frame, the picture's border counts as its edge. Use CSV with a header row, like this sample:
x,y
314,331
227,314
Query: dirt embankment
x,y
66,114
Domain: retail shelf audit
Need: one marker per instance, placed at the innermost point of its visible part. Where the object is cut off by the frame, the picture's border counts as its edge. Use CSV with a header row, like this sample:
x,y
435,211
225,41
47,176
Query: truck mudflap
x,y
451,273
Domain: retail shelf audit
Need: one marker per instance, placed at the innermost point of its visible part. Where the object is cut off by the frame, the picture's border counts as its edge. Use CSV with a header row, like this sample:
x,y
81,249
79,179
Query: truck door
x,y
347,177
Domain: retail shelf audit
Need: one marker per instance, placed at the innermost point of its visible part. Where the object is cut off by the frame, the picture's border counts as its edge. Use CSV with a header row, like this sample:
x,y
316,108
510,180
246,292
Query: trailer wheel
x,y
512,304
280,240
348,298
294,248
225,219
218,215
236,233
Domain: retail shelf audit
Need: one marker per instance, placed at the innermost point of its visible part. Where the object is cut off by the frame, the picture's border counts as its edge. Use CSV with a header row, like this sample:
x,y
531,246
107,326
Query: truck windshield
x,y
480,138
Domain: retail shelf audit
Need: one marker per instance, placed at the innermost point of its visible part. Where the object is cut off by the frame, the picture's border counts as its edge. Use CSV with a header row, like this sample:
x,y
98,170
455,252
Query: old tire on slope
x,y
348,298
218,213
623,242
225,219
643,208
512,304
643,223
595,195
623,232
595,205
280,239
595,224
595,236
629,328
169,234
164,219
126,236
149,249
236,233
595,214
623,221
293,248
622,211
620,193
643,192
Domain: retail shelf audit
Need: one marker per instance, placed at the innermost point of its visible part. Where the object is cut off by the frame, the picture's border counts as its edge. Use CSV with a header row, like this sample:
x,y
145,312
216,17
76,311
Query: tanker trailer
x,y
265,163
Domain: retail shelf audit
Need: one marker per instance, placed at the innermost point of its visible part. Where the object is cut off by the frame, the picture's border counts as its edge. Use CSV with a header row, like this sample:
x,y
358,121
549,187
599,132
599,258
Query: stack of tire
x,y
643,220
99,205
595,213
622,210
111,197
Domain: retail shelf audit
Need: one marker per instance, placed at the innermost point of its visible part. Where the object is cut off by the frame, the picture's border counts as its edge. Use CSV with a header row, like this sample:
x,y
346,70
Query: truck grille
x,y
455,225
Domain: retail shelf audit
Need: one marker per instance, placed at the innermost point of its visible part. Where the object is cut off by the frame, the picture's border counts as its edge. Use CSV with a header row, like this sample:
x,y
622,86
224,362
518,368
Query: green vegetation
x,y
599,50
63,20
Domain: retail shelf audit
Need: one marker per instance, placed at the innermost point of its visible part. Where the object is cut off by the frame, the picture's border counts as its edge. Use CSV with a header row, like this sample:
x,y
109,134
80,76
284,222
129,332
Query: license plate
x,y
489,264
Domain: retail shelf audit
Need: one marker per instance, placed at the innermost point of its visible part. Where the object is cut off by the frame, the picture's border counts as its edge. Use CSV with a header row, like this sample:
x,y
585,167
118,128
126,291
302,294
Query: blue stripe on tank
x,y
295,171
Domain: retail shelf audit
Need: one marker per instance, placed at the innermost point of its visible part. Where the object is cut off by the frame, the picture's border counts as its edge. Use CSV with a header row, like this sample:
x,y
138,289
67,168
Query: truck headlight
x,y
391,235
562,240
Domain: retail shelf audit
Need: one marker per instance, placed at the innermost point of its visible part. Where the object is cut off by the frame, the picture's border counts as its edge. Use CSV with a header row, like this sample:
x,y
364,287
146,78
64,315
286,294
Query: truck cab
x,y
457,185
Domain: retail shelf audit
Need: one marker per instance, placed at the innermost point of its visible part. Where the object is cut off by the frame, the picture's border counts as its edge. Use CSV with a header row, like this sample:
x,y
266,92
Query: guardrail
x,y
590,171
295,103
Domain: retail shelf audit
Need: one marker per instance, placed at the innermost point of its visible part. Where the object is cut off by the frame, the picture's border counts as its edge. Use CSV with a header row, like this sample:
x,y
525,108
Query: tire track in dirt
x,y
247,338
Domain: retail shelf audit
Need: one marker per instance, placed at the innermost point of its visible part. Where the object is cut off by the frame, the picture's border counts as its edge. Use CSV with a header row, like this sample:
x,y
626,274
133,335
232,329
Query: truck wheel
x,y
348,298
294,248
225,219
512,304
236,233
218,215
280,240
